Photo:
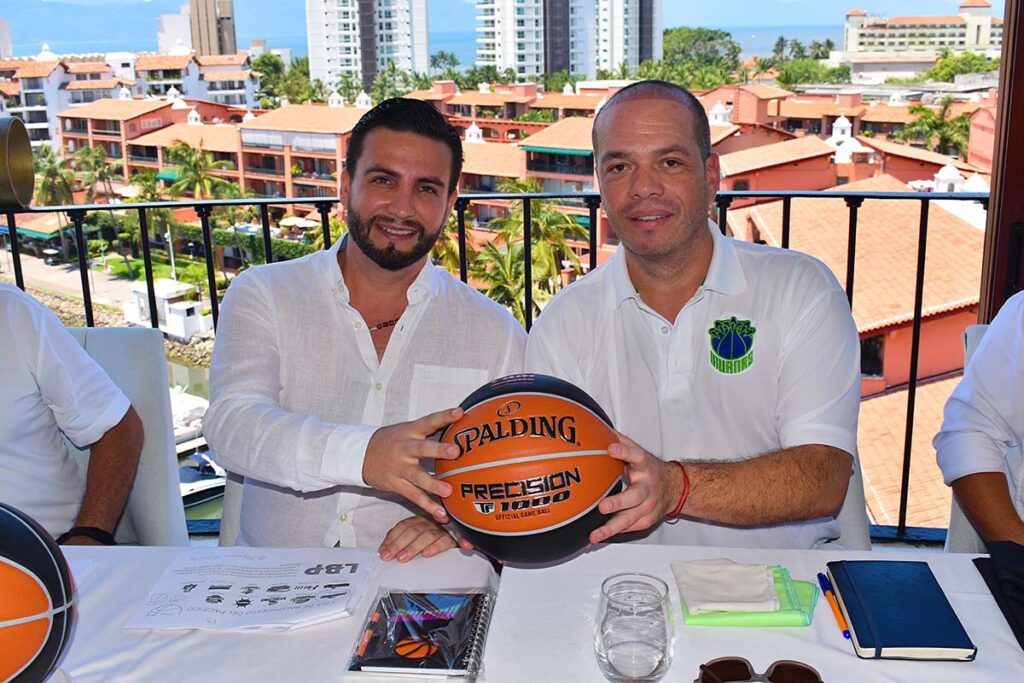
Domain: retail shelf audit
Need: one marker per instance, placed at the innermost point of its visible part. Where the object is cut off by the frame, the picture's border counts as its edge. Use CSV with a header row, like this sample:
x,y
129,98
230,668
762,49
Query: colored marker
x,y
830,595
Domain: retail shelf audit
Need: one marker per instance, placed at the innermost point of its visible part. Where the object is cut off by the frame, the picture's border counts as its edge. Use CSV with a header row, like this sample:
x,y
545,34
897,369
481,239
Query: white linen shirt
x,y
983,421
296,391
658,381
48,386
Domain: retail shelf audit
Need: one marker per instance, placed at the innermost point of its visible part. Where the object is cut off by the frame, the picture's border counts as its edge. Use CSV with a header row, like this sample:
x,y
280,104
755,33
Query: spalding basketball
x,y
36,599
533,465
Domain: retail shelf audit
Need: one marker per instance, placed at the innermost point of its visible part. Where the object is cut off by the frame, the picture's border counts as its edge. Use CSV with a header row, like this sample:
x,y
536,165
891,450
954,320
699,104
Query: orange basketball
x,y
532,468
410,648
36,599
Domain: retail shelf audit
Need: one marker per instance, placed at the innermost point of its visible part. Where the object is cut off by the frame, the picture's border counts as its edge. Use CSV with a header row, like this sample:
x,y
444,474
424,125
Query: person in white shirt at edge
x,y
979,445
732,365
331,371
51,387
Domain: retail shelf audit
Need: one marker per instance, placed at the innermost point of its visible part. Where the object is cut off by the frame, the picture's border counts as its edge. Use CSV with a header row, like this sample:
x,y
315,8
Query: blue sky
x,y
131,24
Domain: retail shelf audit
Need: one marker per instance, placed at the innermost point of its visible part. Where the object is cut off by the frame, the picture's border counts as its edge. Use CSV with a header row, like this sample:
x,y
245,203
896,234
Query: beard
x,y
390,258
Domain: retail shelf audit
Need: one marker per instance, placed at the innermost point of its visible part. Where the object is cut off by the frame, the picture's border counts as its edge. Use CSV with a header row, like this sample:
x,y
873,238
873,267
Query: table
x,y
543,623
103,652
542,628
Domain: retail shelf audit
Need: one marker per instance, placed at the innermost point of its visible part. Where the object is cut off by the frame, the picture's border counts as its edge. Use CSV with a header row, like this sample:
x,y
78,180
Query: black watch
x,y
93,532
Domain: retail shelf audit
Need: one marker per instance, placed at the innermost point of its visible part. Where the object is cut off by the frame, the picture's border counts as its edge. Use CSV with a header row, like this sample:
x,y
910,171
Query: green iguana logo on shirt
x,y
732,345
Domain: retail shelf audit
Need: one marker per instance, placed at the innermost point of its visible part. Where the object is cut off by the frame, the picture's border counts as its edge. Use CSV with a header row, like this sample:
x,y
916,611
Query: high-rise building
x,y
5,40
174,30
213,27
360,37
533,37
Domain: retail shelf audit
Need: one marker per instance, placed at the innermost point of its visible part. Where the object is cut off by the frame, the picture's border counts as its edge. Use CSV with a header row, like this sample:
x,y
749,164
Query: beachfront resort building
x,y
358,38
972,29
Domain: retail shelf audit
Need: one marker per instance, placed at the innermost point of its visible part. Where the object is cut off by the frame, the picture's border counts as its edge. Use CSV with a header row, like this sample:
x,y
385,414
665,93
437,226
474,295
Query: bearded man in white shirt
x,y
979,445
331,371
732,368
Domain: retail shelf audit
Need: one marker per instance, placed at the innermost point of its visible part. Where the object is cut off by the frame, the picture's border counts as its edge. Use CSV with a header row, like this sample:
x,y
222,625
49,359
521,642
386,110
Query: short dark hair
x,y
406,115
642,89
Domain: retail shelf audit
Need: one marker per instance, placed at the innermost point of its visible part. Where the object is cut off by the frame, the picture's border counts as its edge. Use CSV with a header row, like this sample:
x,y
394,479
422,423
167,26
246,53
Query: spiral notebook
x,y
430,634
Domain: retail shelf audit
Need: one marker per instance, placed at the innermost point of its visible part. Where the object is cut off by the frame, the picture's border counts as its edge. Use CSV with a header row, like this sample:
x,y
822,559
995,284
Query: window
x,y
741,185
871,354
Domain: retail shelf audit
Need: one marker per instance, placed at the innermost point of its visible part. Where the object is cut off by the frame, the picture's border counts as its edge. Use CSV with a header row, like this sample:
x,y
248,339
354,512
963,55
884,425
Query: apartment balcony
x,y
791,221
264,170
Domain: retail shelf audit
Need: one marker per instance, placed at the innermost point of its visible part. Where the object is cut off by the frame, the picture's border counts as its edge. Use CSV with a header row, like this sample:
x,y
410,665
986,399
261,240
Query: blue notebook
x,y
897,610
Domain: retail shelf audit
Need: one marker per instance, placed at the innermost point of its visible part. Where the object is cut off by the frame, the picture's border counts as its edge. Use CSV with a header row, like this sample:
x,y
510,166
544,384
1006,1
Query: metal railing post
x,y
147,265
12,235
851,245
211,276
461,204
77,217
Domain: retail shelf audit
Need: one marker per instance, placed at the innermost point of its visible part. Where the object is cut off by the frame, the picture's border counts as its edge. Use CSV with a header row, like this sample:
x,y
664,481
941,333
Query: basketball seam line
x,y
520,461
48,614
545,529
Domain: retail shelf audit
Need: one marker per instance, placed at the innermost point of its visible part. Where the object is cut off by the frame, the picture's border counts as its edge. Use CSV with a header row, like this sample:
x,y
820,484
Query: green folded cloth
x,y
796,606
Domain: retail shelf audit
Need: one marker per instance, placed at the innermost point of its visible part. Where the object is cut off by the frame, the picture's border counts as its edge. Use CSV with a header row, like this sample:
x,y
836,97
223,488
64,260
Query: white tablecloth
x,y
543,622
103,652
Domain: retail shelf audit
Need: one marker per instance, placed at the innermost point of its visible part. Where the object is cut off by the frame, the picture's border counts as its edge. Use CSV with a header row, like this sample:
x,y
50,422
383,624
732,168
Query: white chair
x,y
961,536
134,359
231,517
854,532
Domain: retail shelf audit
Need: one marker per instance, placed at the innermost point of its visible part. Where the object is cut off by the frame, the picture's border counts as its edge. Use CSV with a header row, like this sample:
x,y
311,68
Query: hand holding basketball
x,y
415,536
392,461
652,492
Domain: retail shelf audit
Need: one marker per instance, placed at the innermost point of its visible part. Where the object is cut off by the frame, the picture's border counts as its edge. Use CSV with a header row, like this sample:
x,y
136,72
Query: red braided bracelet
x,y
685,492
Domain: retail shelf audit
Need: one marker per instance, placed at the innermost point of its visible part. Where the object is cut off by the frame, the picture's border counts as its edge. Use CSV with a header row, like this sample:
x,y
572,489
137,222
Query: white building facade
x,y
360,37
972,29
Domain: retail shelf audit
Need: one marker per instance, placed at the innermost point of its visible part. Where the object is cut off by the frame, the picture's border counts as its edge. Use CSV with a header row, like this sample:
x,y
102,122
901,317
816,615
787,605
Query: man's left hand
x,y
415,536
652,490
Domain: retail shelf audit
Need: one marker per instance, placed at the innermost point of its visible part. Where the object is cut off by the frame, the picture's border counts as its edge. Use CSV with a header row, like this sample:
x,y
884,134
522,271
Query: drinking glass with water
x,y
633,634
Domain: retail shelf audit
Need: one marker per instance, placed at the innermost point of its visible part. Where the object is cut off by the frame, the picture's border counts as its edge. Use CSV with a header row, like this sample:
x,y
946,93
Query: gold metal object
x,y
17,175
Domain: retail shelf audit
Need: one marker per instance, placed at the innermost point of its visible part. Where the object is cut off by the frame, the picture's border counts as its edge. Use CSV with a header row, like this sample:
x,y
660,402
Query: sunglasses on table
x,y
739,670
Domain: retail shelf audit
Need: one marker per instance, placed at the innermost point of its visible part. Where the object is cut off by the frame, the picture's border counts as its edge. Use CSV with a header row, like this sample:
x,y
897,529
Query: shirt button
x,y
664,330
344,518
379,386
358,326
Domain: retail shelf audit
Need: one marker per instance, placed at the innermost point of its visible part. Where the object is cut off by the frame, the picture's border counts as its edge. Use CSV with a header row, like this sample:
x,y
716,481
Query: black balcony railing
x,y
854,200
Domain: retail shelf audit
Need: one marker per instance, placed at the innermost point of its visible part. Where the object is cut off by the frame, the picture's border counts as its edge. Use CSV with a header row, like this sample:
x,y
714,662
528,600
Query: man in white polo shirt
x,y
979,445
734,367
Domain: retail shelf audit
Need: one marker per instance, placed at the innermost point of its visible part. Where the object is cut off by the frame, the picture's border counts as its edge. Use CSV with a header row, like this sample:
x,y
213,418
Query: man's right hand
x,y
393,455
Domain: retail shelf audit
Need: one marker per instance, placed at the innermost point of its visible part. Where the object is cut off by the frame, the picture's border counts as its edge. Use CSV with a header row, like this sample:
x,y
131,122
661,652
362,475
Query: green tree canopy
x,y
949,66
701,47
939,130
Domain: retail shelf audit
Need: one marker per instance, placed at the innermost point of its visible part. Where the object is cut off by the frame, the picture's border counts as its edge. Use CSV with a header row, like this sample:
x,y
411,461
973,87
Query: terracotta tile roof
x,y
493,159
887,113
211,138
45,223
88,67
488,99
766,92
34,69
104,84
899,21
308,118
572,132
719,133
856,13
881,431
775,154
227,76
886,259
556,100
114,110
801,108
975,3
10,88
157,62
908,152
12,64
997,20
426,95
237,59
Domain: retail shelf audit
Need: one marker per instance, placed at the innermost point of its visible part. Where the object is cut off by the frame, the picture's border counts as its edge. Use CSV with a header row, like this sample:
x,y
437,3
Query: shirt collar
x,y
428,280
725,274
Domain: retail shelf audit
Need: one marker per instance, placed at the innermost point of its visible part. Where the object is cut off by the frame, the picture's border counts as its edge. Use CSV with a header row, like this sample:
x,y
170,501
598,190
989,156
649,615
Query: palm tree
x,y
148,190
349,86
94,169
315,236
500,270
54,185
195,174
549,229
939,130
446,250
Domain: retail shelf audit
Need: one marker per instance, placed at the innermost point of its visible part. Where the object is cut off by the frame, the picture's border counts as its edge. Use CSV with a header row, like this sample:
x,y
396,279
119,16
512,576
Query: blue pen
x,y
830,595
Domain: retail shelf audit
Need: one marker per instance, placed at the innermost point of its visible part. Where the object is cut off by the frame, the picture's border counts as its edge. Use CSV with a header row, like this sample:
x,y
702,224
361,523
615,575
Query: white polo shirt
x,y
49,386
764,356
983,425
